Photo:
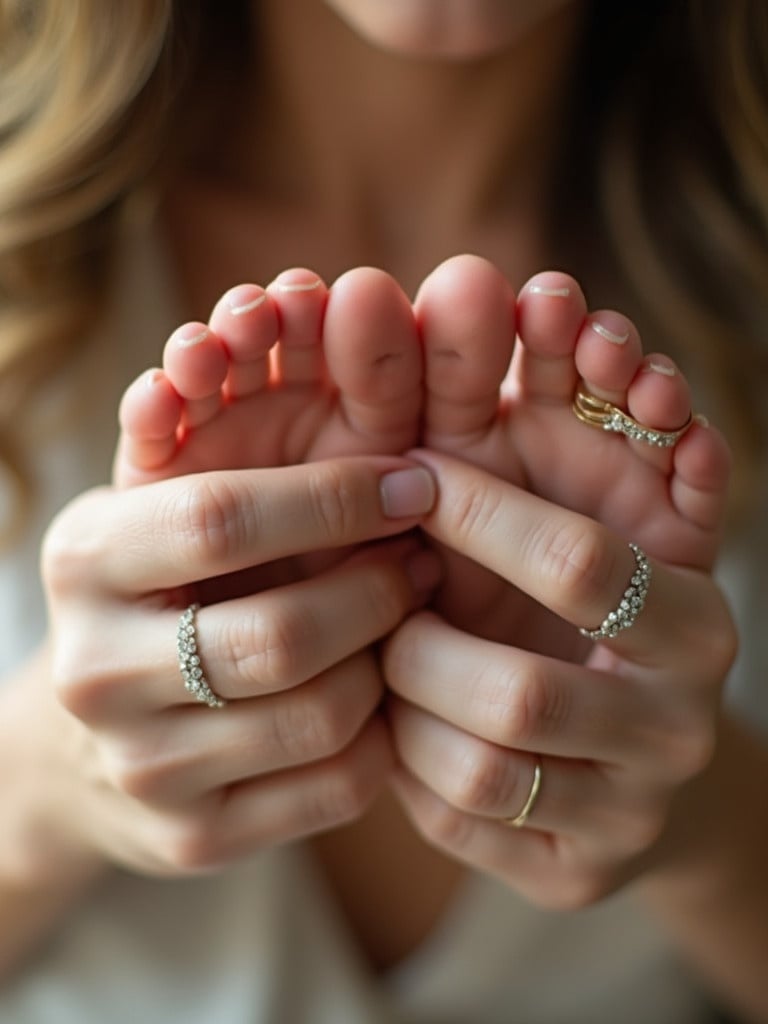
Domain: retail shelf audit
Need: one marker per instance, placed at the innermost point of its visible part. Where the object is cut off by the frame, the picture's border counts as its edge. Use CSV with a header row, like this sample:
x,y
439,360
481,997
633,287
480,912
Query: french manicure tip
x,y
195,339
538,289
615,339
248,306
307,286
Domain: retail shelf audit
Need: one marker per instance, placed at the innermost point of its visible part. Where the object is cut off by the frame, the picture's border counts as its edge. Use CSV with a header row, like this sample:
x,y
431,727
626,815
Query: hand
x,y
161,783
617,736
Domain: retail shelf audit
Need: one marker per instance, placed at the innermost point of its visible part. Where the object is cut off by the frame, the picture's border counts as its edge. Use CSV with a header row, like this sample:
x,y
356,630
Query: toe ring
x,y
596,412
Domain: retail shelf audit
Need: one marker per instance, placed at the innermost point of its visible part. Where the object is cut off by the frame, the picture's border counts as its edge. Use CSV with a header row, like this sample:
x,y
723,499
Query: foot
x,y
500,376
288,374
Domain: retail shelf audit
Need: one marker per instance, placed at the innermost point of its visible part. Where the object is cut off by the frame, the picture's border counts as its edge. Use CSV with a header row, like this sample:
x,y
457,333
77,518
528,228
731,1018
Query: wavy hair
x,y
667,182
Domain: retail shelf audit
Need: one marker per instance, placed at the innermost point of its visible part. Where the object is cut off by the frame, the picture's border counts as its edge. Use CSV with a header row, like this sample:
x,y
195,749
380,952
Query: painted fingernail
x,y
190,334
655,366
539,289
425,571
615,339
407,492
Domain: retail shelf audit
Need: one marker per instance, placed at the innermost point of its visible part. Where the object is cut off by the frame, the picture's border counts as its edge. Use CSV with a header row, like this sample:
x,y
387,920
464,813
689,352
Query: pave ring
x,y
520,819
598,413
631,603
189,660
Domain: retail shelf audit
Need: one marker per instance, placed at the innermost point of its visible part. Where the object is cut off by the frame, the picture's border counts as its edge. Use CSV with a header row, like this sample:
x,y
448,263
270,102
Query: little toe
x,y
373,357
196,363
150,414
551,310
245,319
300,296
465,311
699,484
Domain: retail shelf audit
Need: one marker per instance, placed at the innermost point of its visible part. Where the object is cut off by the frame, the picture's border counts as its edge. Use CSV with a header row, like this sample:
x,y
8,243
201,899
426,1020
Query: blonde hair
x,y
674,187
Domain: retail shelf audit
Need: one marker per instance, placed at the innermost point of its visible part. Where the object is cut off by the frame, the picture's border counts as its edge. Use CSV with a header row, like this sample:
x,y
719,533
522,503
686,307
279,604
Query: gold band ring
x,y
520,819
596,412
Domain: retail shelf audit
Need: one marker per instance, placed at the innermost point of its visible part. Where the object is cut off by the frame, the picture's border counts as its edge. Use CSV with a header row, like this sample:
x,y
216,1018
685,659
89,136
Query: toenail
x,y
237,305
299,286
666,368
539,289
615,339
701,419
191,335
407,492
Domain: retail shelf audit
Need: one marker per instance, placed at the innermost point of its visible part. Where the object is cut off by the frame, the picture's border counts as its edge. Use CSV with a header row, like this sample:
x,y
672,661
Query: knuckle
x,y
343,796
386,594
525,703
446,826
69,550
210,523
265,646
335,506
482,781
191,847
474,511
309,727
80,685
576,560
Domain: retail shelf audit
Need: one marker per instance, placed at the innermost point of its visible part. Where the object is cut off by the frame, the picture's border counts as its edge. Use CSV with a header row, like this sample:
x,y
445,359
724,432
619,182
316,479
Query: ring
x,y
520,819
631,604
596,412
189,660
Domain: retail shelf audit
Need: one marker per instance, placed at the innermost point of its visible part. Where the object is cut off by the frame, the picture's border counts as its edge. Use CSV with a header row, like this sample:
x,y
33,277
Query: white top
x,y
262,942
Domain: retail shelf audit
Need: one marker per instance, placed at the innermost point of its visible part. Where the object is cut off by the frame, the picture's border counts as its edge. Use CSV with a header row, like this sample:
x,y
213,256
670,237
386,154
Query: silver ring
x,y
520,819
596,412
189,660
631,604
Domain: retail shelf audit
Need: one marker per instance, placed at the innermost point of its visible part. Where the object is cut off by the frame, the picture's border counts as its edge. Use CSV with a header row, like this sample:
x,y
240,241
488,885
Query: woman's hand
x,y
616,737
159,782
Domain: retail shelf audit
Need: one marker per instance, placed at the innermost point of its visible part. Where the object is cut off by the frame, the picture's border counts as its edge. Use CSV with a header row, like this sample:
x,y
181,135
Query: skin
x,y
104,760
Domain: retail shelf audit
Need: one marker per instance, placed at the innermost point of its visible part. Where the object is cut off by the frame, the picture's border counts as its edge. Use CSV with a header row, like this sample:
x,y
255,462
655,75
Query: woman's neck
x,y
387,140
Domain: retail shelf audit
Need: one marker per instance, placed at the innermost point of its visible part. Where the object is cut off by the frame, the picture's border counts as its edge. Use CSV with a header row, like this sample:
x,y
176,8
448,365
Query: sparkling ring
x,y
520,819
631,604
189,660
598,413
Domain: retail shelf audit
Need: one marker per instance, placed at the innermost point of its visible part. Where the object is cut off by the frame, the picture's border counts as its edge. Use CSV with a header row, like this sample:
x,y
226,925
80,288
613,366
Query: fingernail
x,y
407,492
538,289
425,571
615,339
654,366
190,334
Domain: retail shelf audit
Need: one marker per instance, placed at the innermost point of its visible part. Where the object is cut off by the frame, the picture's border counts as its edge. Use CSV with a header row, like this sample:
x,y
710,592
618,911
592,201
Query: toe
x,y
150,414
465,311
196,363
550,314
245,319
373,357
300,297
608,355
702,467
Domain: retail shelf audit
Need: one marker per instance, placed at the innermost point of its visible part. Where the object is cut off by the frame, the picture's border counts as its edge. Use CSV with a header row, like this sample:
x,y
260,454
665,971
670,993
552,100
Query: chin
x,y
443,29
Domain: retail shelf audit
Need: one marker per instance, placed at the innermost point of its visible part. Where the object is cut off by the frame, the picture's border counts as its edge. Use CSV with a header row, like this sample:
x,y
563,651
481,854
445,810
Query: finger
x,y
528,702
176,757
574,798
567,562
238,820
167,534
248,647
546,868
